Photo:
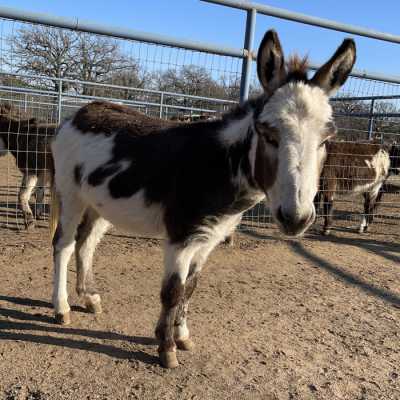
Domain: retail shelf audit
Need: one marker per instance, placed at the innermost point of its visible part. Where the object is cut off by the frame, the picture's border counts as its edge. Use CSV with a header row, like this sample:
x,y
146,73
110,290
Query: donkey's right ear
x,y
270,62
334,73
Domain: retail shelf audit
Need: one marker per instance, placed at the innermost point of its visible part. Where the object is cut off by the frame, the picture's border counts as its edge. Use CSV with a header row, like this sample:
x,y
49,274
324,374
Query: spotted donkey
x,y
191,183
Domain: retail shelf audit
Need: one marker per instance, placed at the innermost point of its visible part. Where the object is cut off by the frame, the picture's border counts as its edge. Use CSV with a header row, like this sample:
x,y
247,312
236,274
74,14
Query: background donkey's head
x,y
293,123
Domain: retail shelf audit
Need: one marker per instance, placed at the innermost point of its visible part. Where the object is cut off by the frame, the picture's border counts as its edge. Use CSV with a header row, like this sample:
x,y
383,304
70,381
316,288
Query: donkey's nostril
x,y
284,217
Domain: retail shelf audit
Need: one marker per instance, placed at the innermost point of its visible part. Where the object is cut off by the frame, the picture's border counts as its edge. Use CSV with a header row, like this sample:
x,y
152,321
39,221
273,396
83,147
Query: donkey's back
x,y
146,174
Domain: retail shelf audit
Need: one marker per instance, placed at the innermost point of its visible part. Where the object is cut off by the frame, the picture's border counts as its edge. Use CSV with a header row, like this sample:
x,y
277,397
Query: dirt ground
x,y
273,318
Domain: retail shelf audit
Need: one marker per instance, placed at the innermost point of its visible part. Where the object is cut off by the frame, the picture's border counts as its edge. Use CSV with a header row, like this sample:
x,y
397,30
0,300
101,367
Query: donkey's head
x,y
293,123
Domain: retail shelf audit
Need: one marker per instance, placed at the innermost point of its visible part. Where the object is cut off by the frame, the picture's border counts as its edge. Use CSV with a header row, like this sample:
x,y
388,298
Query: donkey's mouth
x,y
293,226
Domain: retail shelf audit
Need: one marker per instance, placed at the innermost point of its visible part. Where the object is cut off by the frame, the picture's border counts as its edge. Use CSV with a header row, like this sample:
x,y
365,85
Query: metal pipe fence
x,y
169,78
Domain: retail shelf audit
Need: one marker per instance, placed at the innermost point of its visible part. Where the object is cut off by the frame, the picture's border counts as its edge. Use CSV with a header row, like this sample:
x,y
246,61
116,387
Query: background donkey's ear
x,y
270,62
334,73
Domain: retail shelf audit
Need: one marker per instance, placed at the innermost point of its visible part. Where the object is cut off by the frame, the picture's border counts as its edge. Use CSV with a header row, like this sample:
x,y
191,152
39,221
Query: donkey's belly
x,y
132,213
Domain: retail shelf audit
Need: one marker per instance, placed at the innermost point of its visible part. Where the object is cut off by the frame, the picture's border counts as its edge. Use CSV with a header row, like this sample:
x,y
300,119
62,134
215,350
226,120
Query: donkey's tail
x,y
55,204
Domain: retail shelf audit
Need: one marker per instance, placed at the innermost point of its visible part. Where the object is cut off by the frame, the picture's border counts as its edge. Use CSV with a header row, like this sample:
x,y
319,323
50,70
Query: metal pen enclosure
x,y
169,78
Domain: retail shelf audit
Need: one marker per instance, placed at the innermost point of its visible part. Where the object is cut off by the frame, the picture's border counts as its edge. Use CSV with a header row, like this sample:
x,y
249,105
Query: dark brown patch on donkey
x,y
108,118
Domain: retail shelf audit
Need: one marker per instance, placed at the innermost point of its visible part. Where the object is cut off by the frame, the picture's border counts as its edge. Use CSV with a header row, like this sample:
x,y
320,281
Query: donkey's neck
x,y
236,130
241,141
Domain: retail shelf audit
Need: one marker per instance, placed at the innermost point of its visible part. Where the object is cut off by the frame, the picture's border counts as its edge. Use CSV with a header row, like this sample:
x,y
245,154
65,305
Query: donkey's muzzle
x,y
293,225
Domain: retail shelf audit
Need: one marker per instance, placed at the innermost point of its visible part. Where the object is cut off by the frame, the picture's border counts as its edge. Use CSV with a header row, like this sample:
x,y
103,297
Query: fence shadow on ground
x,y
102,348
345,276
381,248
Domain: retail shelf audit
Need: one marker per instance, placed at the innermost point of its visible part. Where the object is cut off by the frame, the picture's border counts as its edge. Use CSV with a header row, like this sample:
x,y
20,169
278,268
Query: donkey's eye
x,y
271,141
267,132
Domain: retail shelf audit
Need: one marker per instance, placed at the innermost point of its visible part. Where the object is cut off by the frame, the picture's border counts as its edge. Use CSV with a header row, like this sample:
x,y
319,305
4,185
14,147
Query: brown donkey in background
x,y
29,143
352,168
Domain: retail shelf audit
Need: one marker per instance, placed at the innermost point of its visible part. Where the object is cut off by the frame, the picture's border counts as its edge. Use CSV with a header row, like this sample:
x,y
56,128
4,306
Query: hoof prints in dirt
x,y
19,392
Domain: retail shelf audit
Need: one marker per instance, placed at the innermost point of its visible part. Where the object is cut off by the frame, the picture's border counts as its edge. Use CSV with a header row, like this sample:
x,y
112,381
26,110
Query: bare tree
x,y
58,53
189,79
99,59
42,51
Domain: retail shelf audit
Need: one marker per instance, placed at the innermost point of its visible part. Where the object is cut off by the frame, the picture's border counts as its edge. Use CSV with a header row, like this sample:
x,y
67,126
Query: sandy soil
x,y
316,318
273,318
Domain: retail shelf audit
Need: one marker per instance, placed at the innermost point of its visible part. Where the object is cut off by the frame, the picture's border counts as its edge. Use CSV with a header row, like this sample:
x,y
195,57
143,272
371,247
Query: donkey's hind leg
x,y
28,183
71,211
89,233
372,200
39,194
364,217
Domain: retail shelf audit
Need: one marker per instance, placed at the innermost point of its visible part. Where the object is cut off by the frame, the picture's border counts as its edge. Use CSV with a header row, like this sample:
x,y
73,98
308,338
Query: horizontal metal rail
x,y
117,32
368,115
355,98
136,102
86,98
131,88
320,22
307,19
356,73
130,34
18,89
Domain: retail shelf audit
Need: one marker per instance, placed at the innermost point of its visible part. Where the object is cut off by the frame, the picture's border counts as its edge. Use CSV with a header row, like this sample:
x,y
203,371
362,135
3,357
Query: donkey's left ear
x,y
334,73
270,62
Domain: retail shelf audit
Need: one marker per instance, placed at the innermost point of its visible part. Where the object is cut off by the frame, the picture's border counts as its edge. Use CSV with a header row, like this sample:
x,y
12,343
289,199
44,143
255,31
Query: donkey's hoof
x,y
94,308
168,359
326,232
29,222
186,344
63,319
93,303
229,241
40,216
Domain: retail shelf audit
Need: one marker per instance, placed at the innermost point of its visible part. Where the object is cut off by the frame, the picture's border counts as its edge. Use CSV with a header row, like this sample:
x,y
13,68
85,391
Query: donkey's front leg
x,y
182,337
177,262
71,210
181,334
328,214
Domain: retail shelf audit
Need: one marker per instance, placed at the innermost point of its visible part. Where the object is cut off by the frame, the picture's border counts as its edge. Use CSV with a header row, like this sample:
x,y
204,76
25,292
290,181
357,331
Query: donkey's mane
x,y
297,68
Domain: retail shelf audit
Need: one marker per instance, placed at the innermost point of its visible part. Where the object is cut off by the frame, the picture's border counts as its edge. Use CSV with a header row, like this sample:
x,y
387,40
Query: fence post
x,y
247,62
59,101
371,119
161,104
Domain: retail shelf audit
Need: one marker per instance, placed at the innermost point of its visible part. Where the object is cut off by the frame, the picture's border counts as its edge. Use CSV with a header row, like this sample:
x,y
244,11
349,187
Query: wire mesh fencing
x,y
46,73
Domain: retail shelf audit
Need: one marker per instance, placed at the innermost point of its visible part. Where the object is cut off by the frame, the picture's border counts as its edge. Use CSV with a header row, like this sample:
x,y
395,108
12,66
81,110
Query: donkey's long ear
x,y
334,73
270,62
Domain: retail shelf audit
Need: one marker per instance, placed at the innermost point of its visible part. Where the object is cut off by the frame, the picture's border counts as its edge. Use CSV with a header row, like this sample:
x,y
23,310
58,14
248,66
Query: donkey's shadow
x,y
11,330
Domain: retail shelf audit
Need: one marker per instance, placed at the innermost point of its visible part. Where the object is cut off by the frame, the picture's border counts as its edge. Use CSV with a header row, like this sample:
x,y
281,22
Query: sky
x,y
201,21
